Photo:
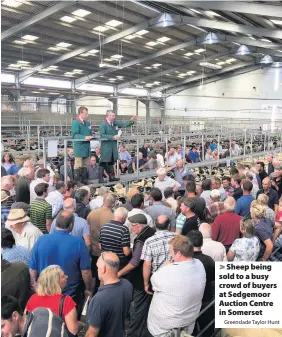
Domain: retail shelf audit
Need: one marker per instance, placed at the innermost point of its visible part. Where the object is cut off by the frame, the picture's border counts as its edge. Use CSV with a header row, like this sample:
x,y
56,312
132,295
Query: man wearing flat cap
x,y
141,299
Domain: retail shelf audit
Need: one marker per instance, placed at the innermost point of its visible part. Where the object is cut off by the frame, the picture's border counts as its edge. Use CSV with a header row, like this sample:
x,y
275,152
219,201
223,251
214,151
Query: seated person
x,y
141,162
123,167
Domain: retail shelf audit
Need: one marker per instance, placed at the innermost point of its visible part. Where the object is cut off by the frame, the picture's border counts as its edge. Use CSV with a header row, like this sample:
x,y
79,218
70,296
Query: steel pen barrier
x,y
138,175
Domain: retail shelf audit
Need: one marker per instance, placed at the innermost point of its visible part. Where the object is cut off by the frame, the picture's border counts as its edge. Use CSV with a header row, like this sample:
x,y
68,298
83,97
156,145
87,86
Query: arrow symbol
x,y
222,267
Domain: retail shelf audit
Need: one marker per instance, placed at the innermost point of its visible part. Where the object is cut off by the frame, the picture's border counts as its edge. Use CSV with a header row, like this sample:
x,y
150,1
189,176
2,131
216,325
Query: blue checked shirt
x,y
4,214
16,254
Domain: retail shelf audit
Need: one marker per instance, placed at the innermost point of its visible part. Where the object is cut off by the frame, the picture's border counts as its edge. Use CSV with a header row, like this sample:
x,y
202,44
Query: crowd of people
x,y
145,266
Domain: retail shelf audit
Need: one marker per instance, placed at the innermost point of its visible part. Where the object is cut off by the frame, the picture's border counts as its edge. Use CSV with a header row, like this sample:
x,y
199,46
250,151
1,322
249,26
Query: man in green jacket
x,y
109,135
81,129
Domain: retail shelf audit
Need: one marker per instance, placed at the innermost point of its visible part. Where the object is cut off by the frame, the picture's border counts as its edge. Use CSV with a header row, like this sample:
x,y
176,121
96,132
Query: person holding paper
x,y
110,133
81,129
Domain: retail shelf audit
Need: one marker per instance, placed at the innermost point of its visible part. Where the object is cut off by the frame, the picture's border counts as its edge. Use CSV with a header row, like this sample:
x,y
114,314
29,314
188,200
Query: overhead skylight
x,y
191,72
109,60
68,19
112,79
200,50
101,28
163,39
117,56
113,23
220,63
157,65
277,22
212,13
23,62
53,67
120,77
230,60
54,48
195,10
210,65
8,78
68,73
14,65
189,54
93,51
12,3
130,37
30,37
148,68
167,75
81,13
157,82
265,40
77,71
20,42
142,32
63,44
151,43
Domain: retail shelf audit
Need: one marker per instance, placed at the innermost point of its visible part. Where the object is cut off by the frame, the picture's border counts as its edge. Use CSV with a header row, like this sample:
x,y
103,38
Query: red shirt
x,y
226,228
51,302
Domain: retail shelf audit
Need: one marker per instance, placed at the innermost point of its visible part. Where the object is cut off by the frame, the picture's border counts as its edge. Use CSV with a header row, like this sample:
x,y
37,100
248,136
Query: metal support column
x,y
148,117
251,143
73,100
245,142
137,157
65,160
203,150
18,97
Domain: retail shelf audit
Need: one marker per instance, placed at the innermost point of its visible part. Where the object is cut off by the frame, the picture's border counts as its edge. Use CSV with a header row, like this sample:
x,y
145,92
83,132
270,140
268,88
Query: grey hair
x,y
112,264
109,111
263,199
230,204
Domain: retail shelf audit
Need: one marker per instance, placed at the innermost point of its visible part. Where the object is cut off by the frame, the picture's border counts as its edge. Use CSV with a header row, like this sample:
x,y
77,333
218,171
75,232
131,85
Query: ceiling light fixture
x,y
220,63
68,19
30,37
230,60
267,59
23,62
243,50
101,28
63,44
211,38
157,65
113,23
81,13
189,54
130,37
107,65
148,68
77,71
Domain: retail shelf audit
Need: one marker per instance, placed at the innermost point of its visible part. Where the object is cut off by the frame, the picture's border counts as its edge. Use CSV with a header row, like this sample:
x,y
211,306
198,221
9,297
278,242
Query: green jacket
x,y
109,148
80,131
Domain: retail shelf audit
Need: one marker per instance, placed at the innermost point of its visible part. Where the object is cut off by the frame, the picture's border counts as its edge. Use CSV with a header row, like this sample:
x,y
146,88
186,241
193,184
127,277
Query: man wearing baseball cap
x,y
141,299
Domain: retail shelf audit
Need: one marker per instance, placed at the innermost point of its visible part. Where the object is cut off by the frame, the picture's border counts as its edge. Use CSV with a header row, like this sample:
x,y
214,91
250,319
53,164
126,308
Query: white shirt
x,y
52,175
56,200
167,182
209,156
32,186
127,223
178,292
160,160
172,159
214,249
28,237
96,202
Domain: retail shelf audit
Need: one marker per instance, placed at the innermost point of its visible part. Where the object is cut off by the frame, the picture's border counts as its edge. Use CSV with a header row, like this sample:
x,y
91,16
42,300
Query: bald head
x,y
266,184
206,230
162,222
108,265
69,205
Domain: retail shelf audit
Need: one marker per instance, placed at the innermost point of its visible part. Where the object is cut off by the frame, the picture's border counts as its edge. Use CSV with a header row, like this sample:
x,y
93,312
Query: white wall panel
x,y
244,94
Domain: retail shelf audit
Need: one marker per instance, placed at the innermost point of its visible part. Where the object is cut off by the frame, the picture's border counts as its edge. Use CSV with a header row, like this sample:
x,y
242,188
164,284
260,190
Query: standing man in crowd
x,y
108,130
81,129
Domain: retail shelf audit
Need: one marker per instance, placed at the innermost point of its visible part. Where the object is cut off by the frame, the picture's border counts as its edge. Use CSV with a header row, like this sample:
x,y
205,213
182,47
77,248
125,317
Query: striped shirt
x,y
40,211
113,237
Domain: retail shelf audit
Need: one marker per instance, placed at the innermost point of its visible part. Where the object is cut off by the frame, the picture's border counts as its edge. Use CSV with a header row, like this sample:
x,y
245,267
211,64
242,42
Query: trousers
x,y
138,314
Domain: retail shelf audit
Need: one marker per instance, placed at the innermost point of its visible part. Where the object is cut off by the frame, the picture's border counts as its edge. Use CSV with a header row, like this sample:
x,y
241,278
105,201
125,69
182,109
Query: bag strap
x,y
61,306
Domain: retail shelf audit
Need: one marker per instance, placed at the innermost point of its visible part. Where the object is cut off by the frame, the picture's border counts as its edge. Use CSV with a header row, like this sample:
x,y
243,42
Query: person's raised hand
x,y
116,137
133,118
88,137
